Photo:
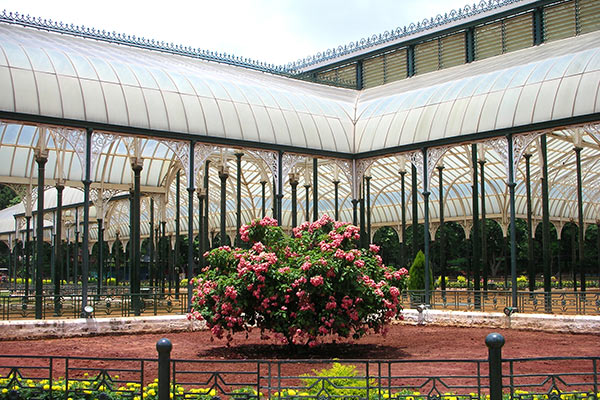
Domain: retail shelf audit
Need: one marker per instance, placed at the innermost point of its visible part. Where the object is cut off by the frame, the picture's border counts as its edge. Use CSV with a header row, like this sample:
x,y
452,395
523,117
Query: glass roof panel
x,y
16,56
61,62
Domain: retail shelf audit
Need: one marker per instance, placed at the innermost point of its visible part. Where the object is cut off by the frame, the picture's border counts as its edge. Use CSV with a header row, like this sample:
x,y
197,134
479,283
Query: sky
x,y
272,31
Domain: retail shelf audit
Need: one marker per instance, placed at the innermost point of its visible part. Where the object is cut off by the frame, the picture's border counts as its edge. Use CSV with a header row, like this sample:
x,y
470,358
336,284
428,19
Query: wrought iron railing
x,y
116,302
495,378
558,302
117,305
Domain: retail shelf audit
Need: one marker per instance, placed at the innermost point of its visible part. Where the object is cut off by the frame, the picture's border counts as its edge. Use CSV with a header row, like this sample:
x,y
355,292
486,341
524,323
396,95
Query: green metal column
x,y
475,238
403,213
223,175
201,233
574,256
581,235
415,209
151,250
513,228
440,169
368,201
530,260
130,242
58,268
426,240
484,258
336,199
206,202
176,264
238,197
76,249
307,198
598,249
279,197
40,159
355,212
190,255
136,253
546,226
294,185
100,268
263,198
85,262
27,253
315,189
361,205
163,266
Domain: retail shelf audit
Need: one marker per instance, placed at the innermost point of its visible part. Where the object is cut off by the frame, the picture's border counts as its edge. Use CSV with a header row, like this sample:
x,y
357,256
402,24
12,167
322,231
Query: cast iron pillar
x,y
475,239
223,175
206,203
368,201
484,258
263,205
137,166
307,198
546,226
315,189
190,255
598,249
403,213
176,264
201,233
581,227
415,209
440,169
40,158
294,185
58,269
355,212
279,196
238,197
336,199
530,261
426,240
513,228
100,283
163,266
85,240
27,253
76,249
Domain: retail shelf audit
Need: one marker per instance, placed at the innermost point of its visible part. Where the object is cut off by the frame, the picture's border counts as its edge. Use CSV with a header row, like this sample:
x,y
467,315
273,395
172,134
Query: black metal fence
x,y
109,305
117,302
494,378
558,302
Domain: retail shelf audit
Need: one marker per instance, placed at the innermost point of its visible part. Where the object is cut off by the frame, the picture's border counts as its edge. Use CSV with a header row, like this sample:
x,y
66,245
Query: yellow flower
x,y
151,392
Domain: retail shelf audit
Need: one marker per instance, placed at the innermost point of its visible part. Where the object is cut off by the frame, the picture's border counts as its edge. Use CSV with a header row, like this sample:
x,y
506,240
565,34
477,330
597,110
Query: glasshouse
x,y
473,137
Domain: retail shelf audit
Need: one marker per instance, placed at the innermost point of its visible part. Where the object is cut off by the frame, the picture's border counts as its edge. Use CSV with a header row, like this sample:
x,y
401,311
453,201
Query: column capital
x,y
41,156
137,163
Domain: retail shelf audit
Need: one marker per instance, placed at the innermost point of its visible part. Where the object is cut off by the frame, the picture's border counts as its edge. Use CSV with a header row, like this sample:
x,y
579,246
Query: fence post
x,y
164,346
494,342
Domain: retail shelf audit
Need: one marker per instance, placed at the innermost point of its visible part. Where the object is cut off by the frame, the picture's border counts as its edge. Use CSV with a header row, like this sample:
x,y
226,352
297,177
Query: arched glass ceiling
x,y
61,76
549,82
54,75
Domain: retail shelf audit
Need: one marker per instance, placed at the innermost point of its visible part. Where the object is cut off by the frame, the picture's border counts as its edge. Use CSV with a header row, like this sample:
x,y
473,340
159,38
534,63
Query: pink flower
x,y
374,248
306,266
316,280
359,263
231,292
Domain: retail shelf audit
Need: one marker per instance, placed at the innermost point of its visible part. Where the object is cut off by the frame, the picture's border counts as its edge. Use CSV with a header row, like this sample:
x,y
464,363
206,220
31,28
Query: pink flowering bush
x,y
303,289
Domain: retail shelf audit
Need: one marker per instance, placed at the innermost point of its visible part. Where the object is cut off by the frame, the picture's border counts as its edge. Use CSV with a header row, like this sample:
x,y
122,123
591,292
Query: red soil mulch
x,y
403,342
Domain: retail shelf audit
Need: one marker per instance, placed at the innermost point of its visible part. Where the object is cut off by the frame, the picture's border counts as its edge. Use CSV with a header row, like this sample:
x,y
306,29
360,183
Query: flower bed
x,y
314,286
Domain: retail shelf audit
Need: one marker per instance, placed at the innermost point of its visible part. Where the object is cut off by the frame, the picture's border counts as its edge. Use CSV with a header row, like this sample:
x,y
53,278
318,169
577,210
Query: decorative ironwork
x,y
270,158
434,155
76,139
201,153
101,197
100,140
500,145
416,158
289,161
399,33
134,41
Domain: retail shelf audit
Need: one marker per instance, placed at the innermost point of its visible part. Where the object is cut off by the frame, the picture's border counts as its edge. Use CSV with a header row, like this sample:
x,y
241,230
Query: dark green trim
x,y
127,130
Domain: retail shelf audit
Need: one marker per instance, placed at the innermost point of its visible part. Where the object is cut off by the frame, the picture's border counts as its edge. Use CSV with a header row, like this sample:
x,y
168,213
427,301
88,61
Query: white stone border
x,y
536,322
60,328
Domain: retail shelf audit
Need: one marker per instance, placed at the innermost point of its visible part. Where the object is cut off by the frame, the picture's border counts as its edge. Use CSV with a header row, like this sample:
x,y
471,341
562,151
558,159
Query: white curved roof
x,y
545,83
61,76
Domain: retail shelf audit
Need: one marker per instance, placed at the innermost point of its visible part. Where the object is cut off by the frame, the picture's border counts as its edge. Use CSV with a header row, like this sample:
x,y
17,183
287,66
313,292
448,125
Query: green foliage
x,y
8,197
341,380
314,285
416,274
